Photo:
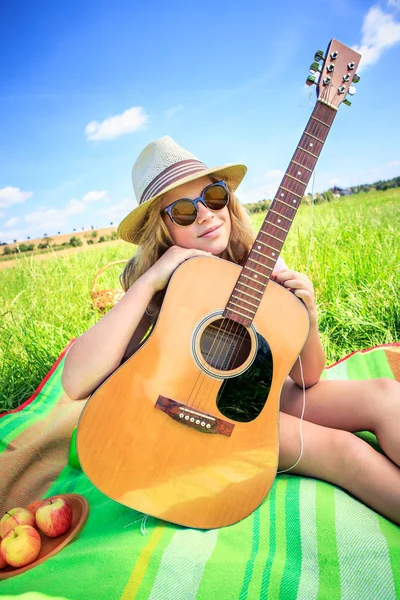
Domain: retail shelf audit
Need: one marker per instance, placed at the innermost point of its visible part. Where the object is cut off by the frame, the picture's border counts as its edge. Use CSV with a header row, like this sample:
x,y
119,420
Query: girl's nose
x,y
203,213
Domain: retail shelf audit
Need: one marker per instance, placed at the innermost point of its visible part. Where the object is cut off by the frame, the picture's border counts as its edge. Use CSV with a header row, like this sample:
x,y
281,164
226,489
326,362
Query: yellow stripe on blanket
x,y
135,580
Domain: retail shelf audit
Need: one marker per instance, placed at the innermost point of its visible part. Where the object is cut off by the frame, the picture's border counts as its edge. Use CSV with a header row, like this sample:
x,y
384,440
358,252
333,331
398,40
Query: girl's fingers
x,y
304,295
297,284
285,275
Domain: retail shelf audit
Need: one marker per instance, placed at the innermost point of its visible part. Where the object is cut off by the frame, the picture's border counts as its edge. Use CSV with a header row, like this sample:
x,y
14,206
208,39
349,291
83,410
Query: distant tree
x,y
15,241
102,239
46,241
74,230
111,223
7,250
59,232
26,247
328,196
75,241
94,234
28,238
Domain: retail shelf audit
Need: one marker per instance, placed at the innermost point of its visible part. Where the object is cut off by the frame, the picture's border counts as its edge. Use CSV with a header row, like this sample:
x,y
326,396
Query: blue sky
x,y
86,85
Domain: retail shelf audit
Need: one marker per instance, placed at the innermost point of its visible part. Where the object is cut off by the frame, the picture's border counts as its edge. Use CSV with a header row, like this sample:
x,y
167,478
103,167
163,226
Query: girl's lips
x,y
213,233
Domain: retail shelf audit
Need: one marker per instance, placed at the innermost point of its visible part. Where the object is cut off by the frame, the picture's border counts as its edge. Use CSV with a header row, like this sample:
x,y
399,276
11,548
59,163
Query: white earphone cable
x,y
301,422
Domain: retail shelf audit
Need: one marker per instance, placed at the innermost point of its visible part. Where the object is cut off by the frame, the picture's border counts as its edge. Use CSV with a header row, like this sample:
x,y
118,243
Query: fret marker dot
x,y
298,172
258,247
311,144
294,201
282,194
279,220
255,276
273,254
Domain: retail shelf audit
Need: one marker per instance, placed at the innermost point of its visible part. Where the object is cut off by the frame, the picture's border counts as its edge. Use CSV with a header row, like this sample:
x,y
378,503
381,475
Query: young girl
x,y
169,232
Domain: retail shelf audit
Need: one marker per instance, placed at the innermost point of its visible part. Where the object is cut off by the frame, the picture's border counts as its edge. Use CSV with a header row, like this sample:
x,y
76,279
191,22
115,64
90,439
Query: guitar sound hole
x,y
225,345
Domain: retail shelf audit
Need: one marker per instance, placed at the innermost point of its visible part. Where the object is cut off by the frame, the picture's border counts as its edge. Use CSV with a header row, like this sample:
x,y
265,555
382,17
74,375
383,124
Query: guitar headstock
x,y
337,75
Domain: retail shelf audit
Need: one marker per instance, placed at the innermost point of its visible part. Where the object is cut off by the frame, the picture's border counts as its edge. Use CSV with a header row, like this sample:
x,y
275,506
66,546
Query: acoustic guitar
x,y
159,435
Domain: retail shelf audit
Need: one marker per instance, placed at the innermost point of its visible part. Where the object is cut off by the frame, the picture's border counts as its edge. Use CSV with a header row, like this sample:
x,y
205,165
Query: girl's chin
x,y
215,246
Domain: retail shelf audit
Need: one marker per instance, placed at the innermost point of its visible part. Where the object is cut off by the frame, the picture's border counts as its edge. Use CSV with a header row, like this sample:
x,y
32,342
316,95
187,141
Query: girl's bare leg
x,y
368,405
331,452
343,459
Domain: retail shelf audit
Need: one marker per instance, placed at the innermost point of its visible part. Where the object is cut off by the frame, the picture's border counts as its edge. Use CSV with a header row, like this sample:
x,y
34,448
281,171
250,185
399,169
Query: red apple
x,y
14,517
33,506
54,516
21,546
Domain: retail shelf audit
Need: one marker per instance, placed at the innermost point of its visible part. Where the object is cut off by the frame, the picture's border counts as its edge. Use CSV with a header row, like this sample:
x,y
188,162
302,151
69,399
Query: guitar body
x,y
152,436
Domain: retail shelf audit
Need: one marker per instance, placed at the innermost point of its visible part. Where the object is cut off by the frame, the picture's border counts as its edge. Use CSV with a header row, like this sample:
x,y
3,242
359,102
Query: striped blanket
x,y
308,539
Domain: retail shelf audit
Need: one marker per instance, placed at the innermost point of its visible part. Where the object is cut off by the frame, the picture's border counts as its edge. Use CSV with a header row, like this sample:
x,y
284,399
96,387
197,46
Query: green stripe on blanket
x,y
308,540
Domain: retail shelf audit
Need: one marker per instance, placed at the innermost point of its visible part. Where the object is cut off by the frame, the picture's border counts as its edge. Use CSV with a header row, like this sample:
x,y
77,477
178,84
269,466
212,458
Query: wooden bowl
x,y
51,546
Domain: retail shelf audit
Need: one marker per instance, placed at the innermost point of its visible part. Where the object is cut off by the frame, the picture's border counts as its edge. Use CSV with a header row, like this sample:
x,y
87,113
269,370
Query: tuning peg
x,y
314,67
356,78
347,102
310,80
352,90
319,55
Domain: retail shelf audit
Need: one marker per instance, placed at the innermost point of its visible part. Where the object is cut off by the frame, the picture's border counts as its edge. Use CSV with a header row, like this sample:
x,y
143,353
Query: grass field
x,y
352,259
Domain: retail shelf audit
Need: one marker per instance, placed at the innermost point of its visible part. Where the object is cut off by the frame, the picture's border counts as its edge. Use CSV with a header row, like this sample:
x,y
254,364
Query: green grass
x,y
353,262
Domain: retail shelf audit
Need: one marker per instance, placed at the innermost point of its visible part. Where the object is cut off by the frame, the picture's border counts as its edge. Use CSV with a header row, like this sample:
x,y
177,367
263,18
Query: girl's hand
x,y
301,286
158,275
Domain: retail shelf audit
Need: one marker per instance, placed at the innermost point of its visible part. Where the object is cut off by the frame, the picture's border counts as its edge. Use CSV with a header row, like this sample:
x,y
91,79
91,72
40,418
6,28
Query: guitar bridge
x,y
196,419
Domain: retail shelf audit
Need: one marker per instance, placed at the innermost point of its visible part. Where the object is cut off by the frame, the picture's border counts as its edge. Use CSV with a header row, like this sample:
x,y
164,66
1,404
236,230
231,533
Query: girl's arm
x,y
99,351
312,355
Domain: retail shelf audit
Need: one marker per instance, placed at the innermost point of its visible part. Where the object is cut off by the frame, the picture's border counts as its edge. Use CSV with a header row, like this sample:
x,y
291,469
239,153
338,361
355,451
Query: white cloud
x,y
94,196
131,120
117,212
265,188
41,216
11,222
74,207
395,3
15,234
12,195
394,163
380,31
273,175
57,219
173,110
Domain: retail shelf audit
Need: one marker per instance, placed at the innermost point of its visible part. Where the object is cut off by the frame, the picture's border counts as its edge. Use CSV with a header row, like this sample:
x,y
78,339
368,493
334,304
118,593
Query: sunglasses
x,y
184,211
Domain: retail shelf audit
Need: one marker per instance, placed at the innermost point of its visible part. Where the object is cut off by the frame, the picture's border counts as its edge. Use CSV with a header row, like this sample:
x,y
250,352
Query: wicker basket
x,y
103,299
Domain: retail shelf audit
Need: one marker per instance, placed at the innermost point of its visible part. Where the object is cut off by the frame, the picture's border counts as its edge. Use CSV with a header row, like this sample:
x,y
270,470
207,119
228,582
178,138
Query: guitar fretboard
x,y
252,282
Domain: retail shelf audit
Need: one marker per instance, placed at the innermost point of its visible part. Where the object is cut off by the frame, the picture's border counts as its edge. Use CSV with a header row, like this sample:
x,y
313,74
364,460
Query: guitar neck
x,y
255,275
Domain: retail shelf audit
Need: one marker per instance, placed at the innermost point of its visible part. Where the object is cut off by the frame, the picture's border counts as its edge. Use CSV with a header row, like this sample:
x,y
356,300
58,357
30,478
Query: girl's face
x,y
198,235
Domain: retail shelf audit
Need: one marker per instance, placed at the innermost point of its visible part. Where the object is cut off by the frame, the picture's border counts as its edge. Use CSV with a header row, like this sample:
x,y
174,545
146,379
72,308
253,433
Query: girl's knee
x,y
326,451
387,387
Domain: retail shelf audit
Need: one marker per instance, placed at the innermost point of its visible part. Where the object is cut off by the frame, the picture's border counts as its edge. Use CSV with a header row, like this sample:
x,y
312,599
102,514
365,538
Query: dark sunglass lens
x,y
216,197
184,213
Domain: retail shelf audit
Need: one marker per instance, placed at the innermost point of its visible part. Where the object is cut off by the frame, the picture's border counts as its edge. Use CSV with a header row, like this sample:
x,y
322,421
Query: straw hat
x,y
162,166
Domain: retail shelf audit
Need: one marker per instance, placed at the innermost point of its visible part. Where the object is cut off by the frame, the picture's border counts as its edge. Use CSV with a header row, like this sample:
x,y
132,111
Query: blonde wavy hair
x,y
156,239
